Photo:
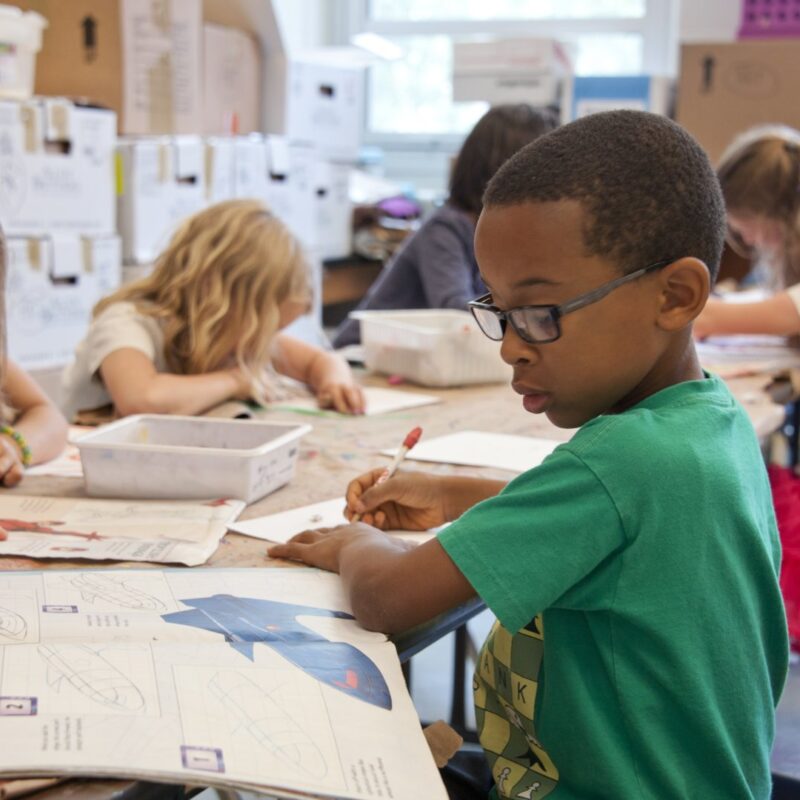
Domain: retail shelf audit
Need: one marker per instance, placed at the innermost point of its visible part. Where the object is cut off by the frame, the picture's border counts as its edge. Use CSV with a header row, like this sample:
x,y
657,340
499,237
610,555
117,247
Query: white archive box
x,y
52,285
56,168
433,347
510,71
319,102
269,169
160,182
220,168
334,211
173,457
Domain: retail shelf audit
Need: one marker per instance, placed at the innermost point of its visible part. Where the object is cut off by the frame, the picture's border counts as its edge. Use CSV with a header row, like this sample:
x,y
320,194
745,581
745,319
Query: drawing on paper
x,y
117,591
246,621
45,526
260,715
92,675
12,625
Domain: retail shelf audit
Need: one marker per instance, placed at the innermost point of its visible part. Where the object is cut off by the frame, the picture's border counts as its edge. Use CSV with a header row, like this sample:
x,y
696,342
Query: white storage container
x,y
166,457
436,347
20,41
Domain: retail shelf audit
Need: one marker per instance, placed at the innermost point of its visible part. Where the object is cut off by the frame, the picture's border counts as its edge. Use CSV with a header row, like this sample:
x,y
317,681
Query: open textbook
x,y
257,678
164,531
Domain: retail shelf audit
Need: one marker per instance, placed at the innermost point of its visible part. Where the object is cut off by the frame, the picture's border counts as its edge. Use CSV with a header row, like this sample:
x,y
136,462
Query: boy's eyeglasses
x,y
542,324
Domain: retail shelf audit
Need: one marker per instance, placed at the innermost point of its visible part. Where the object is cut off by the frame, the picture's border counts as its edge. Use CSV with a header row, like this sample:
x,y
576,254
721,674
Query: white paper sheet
x,y
481,449
734,356
181,532
254,678
282,526
379,401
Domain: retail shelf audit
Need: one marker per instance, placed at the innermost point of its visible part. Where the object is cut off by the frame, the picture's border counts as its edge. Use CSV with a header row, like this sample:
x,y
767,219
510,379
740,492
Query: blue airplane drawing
x,y
246,621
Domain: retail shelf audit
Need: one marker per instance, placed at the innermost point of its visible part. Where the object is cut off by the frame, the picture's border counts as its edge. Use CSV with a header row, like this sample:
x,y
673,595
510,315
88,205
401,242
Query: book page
x,y
171,531
258,678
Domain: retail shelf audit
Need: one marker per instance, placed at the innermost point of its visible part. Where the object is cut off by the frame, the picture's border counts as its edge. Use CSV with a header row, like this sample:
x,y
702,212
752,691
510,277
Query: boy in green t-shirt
x,y
641,644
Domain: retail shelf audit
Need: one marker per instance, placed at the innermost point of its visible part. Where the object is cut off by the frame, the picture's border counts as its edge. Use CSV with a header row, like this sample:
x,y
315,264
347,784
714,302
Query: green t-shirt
x,y
641,645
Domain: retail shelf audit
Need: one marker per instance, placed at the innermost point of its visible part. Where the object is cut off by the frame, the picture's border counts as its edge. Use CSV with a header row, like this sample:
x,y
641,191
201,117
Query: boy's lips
x,y
533,400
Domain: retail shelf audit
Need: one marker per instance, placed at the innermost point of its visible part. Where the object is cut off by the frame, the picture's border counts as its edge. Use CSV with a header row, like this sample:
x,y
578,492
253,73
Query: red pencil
x,y
411,439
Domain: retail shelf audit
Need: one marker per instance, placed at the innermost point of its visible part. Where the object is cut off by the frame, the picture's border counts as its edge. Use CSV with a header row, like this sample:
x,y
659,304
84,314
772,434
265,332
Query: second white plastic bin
x,y
433,347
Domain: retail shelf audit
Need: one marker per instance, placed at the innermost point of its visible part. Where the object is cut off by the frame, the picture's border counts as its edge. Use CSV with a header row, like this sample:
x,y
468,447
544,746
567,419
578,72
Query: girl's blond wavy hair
x,y
760,177
218,286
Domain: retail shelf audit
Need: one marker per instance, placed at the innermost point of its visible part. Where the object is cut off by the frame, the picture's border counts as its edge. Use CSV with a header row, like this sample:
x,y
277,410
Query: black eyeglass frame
x,y
555,312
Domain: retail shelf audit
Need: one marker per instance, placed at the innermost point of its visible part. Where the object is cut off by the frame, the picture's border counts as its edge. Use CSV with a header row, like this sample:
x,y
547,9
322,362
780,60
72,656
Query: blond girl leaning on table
x,y
205,326
32,429
760,178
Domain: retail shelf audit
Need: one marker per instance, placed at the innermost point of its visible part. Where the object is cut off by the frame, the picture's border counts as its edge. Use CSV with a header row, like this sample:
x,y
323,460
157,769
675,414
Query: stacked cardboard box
x,y
57,210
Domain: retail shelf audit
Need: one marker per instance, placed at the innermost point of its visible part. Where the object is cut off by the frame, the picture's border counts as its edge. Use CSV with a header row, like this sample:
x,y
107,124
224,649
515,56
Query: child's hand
x,y
410,501
346,398
321,548
11,468
243,385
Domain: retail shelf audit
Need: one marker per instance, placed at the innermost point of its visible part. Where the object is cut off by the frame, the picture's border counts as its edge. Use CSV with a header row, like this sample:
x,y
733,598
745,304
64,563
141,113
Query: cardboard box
x,y
220,168
231,81
724,89
334,216
589,94
317,103
56,168
141,59
52,285
510,71
161,181
269,169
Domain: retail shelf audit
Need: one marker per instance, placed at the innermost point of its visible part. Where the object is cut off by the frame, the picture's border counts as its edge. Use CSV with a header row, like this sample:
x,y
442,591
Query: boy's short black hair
x,y
647,186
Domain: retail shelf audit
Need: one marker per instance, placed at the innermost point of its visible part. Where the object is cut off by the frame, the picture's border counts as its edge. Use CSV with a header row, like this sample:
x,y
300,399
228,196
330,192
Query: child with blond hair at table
x,y
207,325
760,178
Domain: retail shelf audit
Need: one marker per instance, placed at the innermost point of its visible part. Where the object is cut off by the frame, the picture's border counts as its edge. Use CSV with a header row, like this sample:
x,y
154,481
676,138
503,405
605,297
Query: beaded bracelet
x,y
12,433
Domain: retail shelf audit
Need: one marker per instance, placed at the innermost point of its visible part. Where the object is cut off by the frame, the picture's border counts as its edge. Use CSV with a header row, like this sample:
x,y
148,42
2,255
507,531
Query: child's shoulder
x,y
689,416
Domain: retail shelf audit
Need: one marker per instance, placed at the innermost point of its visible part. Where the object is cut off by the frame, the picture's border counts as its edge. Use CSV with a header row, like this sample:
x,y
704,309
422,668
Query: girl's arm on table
x,y
776,316
135,386
39,422
328,374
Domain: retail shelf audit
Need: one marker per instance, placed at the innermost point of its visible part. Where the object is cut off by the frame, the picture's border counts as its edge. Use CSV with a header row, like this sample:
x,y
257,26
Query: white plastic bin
x,y
20,41
165,457
436,347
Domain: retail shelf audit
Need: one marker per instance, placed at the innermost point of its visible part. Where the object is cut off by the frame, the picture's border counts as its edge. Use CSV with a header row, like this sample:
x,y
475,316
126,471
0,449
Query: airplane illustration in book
x,y
246,621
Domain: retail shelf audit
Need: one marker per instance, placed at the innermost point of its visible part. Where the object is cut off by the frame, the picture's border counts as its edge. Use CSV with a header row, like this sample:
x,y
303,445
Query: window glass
x,y
420,10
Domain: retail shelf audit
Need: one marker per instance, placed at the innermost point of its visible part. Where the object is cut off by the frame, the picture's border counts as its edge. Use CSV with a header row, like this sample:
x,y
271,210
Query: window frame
x,y
658,29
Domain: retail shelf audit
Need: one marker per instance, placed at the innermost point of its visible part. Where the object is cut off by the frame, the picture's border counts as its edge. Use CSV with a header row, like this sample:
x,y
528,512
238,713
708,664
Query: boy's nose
x,y
514,350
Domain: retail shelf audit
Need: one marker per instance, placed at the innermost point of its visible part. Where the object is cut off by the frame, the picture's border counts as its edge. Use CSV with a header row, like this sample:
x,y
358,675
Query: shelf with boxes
x,y
57,211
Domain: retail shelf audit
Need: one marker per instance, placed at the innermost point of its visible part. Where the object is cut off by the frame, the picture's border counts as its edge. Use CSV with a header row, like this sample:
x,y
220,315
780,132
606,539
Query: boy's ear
x,y
685,285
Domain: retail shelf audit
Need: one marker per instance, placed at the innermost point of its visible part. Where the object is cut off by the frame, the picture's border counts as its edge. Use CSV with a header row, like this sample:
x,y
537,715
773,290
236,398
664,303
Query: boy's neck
x,y
678,364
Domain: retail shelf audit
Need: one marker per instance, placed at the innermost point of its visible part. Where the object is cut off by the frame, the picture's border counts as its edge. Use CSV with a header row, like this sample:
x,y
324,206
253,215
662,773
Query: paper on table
x,y
172,531
379,401
481,449
68,464
282,526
